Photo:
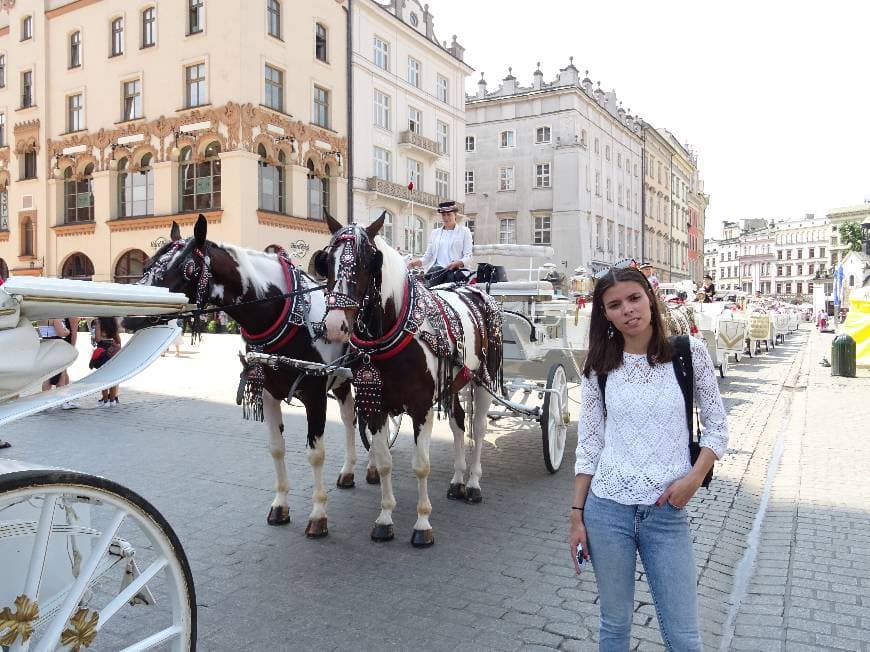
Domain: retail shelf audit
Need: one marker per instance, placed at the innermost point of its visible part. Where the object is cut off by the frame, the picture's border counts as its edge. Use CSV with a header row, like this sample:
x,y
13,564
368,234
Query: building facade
x,y
858,214
408,120
698,202
119,118
657,198
757,256
558,164
802,250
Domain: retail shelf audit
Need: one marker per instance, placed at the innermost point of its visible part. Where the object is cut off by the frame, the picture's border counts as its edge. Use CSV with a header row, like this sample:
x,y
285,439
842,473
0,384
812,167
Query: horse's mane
x,y
258,270
393,273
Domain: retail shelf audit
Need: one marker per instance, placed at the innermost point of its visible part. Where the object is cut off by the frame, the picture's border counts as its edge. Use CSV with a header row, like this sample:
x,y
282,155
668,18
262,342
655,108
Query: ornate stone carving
x,y
26,136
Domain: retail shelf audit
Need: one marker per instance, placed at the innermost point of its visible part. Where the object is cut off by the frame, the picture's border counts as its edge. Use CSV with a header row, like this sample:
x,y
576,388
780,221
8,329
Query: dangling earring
x,y
610,330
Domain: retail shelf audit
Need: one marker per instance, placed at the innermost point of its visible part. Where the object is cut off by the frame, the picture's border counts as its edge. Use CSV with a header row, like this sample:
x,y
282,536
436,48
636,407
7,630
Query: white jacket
x,y
460,247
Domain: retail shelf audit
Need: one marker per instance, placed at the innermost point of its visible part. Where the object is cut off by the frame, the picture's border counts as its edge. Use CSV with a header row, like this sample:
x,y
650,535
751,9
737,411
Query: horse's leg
x,y
422,536
348,418
456,490
481,401
315,410
279,512
383,529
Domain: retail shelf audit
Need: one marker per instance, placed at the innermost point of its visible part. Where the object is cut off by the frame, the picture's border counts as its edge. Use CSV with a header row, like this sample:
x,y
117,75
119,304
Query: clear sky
x,y
774,96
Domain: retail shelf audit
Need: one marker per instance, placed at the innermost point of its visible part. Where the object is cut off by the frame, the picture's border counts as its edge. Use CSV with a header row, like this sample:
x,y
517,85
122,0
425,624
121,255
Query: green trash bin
x,y
843,356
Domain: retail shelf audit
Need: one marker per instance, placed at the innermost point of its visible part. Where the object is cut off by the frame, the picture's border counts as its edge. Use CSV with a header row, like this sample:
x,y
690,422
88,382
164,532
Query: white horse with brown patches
x,y
416,349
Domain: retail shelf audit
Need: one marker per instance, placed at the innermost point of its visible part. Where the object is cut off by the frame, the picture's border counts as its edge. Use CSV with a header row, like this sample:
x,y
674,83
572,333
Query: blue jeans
x,y
616,534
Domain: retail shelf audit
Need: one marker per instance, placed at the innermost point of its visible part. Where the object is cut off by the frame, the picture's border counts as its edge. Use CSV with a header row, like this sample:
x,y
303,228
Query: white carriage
x,y
761,330
81,554
544,347
724,332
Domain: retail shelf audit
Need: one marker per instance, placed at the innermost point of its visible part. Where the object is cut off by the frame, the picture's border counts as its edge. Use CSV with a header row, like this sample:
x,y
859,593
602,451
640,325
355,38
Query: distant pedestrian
x,y
60,329
633,472
709,289
108,342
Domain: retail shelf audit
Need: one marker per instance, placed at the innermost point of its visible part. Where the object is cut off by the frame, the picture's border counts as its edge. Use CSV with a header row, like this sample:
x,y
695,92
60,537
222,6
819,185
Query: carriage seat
x,y
522,291
34,359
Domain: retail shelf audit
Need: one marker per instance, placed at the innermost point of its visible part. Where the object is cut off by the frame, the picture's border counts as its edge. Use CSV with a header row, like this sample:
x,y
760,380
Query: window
x,y
610,236
117,46
149,27
381,55
74,113
28,247
619,194
413,72
29,165
2,130
619,161
413,235
821,252
78,196
507,230
441,88
779,254
79,267
270,181
27,28
506,178
442,183
4,215
320,110
415,120
387,230
442,137
607,190
195,16
130,267
788,254
320,51
541,232
621,242
382,110
469,182
598,184
26,89
415,173
132,99
383,164
542,175
469,223
800,254
200,182
318,192
274,92
273,18
135,188
542,135
506,139
597,150
800,270
812,252
196,89
2,71
470,144
75,49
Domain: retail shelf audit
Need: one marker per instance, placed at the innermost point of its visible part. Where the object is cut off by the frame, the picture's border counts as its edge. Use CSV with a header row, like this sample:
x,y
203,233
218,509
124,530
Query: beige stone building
x,y
657,198
118,117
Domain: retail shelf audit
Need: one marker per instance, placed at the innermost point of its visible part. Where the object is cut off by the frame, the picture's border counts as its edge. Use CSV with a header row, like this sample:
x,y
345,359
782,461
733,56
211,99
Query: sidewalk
x,y
809,588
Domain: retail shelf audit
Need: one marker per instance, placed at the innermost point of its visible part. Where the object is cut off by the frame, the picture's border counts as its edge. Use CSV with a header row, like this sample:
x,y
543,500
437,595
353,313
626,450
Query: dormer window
x,y
413,19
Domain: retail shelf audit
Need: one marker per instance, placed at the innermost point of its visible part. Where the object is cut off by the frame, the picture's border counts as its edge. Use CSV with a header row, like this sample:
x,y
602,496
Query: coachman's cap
x,y
447,207
645,266
707,276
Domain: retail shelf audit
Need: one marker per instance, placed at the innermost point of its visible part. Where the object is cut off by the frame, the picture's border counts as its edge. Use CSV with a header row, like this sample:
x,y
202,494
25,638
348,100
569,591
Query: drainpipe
x,y
349,167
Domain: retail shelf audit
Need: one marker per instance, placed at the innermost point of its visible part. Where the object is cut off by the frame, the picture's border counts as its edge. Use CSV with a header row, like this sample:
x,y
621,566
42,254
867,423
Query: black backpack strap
x,y
602,385
685,375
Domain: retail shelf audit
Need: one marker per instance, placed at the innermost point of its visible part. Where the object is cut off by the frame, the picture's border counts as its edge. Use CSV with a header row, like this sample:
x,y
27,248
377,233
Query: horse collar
x,y
289,320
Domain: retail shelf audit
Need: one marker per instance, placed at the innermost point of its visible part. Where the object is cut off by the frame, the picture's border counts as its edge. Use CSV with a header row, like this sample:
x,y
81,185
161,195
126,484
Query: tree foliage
x,y
850,234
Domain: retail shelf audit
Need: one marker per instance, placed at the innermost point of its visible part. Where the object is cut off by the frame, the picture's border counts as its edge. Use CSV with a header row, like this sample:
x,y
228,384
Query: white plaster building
x,y
711,257
118,118
757,256
408,119
801,251
555,163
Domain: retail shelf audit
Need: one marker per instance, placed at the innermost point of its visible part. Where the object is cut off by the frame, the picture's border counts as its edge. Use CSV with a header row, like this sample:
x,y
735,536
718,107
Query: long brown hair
x,y
605,353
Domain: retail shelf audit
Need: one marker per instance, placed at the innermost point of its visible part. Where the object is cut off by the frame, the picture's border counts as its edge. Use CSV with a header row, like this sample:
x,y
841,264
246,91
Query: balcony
x,y
415,141
398,191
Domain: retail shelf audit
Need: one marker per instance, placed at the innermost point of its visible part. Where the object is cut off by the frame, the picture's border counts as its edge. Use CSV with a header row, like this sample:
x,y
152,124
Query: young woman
x,y
108,342
633,474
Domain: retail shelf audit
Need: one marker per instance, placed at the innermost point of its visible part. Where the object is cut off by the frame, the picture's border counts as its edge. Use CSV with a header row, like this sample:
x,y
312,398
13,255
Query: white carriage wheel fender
x,y
20,484
395,424
554,428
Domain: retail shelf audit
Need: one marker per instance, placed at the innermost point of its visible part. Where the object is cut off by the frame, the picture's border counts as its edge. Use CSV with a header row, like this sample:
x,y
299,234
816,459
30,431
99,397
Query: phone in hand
x,y
580,559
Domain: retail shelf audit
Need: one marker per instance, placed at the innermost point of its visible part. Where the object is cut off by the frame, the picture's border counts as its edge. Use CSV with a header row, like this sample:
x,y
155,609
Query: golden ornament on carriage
x,y
19,623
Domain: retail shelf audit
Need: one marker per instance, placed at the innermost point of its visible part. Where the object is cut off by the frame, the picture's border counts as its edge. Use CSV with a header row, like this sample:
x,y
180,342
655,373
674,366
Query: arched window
x,y
4,270
78,266
271,182
27,244
135,189
78,201
413,235
200,182
315,193
130,266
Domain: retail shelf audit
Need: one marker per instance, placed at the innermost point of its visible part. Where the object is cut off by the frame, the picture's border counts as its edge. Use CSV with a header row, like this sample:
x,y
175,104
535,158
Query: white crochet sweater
x,y
642,446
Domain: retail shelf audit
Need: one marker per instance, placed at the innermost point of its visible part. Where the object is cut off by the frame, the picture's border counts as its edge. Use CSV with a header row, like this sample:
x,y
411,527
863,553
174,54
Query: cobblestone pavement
x,y
500,575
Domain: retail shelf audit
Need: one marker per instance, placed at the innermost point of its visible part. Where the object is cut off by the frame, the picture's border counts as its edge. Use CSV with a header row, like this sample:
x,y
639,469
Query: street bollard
x,y
843,356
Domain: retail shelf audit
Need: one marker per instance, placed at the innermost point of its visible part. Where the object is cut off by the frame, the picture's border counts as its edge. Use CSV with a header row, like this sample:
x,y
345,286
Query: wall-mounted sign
x,y
159,242
298,249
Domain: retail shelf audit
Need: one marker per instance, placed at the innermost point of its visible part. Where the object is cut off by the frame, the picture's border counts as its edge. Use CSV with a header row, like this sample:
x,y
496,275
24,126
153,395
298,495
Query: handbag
x,y
686,377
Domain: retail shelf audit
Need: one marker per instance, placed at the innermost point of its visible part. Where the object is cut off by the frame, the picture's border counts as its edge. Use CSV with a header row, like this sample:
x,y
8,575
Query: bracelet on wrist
x,y
579,509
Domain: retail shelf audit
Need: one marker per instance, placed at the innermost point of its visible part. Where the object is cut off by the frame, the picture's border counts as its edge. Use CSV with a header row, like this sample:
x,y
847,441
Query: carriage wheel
x,y
91,561
554,421
395,423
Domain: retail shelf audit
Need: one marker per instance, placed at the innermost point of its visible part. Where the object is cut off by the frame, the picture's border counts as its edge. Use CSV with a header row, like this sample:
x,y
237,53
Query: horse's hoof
x,y
278,516
473,495
383,532
317,529
422,538
456,491
345,481
372,476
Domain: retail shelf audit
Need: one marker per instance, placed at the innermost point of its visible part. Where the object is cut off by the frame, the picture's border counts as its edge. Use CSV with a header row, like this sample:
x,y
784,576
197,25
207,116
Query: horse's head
x,y
351,266
181,266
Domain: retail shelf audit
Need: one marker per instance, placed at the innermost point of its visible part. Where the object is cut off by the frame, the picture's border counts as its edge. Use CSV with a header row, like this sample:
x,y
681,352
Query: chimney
x,y
456,50
538,78
481,87
510,83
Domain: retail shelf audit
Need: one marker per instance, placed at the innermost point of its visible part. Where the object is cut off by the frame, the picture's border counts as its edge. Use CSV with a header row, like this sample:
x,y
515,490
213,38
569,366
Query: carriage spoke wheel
x,y
394,423
89,563
554,418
